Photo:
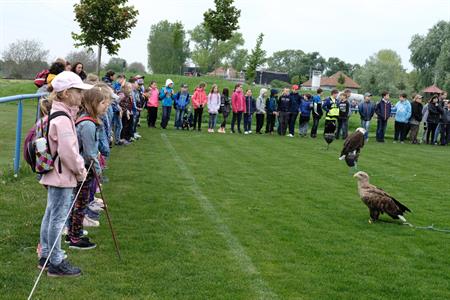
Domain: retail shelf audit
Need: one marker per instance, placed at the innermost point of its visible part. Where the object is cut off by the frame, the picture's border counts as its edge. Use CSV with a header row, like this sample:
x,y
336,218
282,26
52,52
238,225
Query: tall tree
x,y
256,58
23,59
238,59
296,62
222,21
116,64
136,67
167,48
103,24
86,57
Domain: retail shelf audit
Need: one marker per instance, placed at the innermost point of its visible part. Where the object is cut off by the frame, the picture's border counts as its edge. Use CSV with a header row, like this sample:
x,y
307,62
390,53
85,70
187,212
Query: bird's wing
x,y
354,141
379,199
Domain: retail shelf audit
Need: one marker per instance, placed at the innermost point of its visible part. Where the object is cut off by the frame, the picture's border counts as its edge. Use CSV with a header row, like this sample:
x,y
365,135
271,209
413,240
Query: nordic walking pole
x,y
107,214
59,234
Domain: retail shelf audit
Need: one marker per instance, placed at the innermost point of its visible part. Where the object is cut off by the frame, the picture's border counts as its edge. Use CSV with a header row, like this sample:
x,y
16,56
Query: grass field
x,y
210,216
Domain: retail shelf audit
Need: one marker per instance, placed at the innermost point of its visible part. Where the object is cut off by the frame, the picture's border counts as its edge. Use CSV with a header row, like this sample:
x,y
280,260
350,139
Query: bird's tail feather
x,y
402,218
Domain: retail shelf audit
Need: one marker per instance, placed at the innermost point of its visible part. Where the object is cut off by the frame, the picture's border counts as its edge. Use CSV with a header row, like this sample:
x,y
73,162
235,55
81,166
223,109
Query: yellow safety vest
x,y
333,112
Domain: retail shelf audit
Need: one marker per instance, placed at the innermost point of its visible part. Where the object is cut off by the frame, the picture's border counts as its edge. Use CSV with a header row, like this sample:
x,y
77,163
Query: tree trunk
x,y
99,59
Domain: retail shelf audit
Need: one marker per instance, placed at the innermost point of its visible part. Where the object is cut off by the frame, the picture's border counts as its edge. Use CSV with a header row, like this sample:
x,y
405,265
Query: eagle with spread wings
x,y
378,201
352,146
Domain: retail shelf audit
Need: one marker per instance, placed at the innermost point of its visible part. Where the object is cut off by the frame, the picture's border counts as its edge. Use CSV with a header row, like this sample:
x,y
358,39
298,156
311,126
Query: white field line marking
x,y
260,287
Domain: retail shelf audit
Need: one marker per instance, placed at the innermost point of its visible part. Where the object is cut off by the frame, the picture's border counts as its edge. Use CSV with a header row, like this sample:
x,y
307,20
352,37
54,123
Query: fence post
x,y
18,138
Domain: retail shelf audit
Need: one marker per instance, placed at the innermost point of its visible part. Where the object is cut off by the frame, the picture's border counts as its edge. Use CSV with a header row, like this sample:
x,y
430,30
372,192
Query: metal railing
x,y
20,98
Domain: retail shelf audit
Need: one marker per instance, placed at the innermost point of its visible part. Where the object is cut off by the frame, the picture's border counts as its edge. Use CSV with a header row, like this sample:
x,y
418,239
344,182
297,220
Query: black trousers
x,y
283,122
259,122
224,122
270,123
152,114
237,116
198,112
431,129
127,127
315,126
400,131
292,121
445,133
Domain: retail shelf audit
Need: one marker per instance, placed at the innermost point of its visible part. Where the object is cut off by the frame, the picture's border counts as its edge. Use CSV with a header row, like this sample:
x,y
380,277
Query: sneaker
x,y
99,201
64,269
290,135
250,132
67,239
232,131
95,207
42,262
82,244
245,132
88,222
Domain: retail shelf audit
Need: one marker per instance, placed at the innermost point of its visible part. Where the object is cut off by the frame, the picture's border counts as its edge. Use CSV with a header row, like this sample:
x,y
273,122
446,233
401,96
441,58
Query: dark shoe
x,y
239,131
64,269
42,262
82,244
67,239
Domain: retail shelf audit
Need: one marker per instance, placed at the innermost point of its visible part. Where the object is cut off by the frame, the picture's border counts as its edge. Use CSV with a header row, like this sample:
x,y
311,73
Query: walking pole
x,y
107,214
59,234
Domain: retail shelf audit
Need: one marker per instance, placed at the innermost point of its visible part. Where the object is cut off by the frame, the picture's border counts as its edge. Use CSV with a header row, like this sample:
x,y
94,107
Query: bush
x,y
279,84
295,79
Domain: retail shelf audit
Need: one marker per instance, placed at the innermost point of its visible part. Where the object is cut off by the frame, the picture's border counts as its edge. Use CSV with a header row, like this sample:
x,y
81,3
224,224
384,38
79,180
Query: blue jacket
x,y
366,110
250,105
403,111
88,138
305,108
271,105
116,86
294,105
166,96
103,140
383,109
283,103
181,102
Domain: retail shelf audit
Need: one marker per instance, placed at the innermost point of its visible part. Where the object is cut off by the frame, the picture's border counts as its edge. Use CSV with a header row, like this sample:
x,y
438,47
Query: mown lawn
x,y
210,216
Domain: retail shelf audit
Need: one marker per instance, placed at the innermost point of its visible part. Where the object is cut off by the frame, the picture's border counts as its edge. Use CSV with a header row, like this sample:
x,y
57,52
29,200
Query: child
x,y
199,100
225,107
260,110
69,168
283,111
181,102
383,111
271,109
166,95
238,107
316,112
402,116
94,105
330,106
213,107
250,107
152,104
294,108
344,113
305,114
126,104
445,127
434,113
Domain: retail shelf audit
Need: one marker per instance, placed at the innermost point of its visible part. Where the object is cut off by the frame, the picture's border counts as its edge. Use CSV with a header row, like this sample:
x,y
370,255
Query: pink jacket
x,y
62,137
199,98
153,101
238,102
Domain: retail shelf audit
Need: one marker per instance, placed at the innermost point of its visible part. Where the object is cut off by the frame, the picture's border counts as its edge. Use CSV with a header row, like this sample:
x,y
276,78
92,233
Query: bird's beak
x,y
354,175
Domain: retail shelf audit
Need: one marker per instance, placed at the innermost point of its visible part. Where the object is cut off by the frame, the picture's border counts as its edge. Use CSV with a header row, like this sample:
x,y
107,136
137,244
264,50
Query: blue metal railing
x,y
20,98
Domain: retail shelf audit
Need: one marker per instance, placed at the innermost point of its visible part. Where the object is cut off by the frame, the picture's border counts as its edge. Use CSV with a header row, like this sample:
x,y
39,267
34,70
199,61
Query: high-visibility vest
x,y
333,112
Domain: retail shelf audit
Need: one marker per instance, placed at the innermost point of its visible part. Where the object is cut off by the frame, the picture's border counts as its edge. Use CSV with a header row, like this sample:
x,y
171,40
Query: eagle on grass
x,y
352,146
378,201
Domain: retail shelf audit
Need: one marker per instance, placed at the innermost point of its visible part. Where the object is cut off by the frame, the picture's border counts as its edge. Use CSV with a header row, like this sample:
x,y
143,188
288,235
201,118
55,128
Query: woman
x,y
78,69
434,114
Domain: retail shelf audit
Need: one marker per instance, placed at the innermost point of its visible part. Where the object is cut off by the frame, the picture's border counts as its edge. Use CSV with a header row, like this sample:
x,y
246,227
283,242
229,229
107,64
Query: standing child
x,y
283,111
316,111
260,110
238,107
271,109
213,107
225,108
69,169
434,114
402,116
250,107
445,126
199,100
152,104
416,118
181,103
344,114
305,114
166,95
126,104
331,108
294,108
383,112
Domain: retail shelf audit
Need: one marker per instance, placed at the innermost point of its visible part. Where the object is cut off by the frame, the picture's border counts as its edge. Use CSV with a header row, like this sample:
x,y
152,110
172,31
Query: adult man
x,y
331,108
383,111
402,115
366,111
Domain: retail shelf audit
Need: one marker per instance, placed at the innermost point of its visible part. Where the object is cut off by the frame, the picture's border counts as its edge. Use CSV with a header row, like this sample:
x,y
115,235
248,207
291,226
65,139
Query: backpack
x,y
36,148
41,78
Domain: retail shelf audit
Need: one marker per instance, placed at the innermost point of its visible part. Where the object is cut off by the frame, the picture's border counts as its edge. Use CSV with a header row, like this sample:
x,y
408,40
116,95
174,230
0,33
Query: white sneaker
x,y
88,222
99,201
95,207
290,135
250,132
245,132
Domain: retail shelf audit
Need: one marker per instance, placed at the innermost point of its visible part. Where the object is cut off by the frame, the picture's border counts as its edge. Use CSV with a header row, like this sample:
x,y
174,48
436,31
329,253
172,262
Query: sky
x,y
352,30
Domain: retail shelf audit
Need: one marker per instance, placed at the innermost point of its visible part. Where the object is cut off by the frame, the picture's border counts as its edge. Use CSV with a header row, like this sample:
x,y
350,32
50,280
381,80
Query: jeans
x,y
248,122
342,127
198,112
212,121
58,204
292,121
179,117
366,126
259,122
303,128
151,116
117,124
436,133
315,126
236,116
136,118
165,116
381,129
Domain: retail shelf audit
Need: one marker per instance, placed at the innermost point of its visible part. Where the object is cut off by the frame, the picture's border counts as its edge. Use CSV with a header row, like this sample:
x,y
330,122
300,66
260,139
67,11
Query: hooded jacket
x,y
213,103
153,100
294,104
383,109
199,98
181,100
434,113
88,137
238,102
403,112
305,108
250,105
166,96
317,107
416,112
283,103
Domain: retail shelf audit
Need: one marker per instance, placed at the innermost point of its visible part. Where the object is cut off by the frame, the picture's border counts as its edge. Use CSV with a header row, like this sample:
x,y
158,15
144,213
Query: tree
x,y
296,62
167,48
23,59
256,58
430,55
223,21
238,59
86,57
136,67
116,64
103,24
382,71
334,65
209,54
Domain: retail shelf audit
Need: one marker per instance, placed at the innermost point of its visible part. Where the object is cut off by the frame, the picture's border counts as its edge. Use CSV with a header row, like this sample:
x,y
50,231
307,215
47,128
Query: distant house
x,y
329,83
265,76
226,73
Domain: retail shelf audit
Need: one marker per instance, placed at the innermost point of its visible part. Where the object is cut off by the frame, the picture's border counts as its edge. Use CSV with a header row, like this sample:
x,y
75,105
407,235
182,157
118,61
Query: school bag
x,y
41,78
36,148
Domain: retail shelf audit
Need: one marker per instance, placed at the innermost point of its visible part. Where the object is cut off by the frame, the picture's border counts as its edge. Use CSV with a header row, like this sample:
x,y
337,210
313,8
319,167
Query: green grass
x,y
201,216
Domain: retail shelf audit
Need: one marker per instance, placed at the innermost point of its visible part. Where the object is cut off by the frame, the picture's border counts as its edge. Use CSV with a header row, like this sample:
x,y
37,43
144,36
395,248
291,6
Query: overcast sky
x,y
349,29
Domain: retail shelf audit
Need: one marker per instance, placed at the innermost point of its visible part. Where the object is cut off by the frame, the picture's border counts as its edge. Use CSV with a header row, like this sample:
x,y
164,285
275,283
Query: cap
x,y
184,85
68,80
169,81
139,77
367,94
295,87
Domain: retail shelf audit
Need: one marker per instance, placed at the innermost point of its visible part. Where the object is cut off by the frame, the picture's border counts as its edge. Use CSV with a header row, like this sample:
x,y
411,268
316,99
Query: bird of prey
x,y
378,201
329,133
352,146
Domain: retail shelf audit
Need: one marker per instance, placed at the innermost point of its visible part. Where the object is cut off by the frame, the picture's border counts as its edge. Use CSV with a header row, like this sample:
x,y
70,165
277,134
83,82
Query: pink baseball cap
x,y
67,80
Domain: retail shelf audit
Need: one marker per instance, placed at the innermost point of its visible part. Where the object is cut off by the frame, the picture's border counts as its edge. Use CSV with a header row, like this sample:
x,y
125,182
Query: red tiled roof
x,y
333,81
433,90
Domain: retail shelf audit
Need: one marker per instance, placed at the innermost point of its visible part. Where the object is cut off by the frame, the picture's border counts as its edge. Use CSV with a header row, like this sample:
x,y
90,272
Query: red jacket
x,y
238,102
199,98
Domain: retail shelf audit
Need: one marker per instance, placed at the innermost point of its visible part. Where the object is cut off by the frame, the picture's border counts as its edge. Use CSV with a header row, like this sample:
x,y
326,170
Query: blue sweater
x,y
305,108
403,111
